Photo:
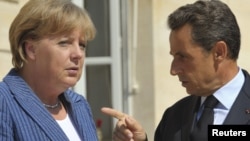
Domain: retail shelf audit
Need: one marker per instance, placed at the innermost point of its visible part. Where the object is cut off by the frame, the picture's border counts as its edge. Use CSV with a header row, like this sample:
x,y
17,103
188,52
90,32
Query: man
x,y
205,44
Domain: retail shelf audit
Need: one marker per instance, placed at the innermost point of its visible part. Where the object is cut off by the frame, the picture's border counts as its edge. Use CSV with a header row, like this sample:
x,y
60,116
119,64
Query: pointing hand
x,y
127,128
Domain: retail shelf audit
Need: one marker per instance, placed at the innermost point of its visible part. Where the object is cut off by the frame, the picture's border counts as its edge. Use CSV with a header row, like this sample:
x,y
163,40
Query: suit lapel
x,y
239,113
188,117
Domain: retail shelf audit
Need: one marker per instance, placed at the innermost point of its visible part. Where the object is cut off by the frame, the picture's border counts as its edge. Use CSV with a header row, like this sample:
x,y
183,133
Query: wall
x,y
9,9
143,101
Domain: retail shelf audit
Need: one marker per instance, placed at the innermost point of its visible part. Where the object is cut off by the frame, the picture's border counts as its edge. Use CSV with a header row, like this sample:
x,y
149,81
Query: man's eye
x,y
181,56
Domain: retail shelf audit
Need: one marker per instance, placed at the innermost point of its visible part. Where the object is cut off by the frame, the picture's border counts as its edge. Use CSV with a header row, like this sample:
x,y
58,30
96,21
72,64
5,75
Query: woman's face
x,y
58,60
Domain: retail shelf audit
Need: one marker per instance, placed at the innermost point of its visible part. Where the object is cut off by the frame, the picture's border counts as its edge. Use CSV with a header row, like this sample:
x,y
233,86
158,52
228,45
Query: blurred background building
x,y
128,64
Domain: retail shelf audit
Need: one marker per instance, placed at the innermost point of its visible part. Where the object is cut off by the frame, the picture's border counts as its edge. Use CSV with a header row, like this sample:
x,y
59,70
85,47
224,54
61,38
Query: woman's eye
x,y
63,43
82,45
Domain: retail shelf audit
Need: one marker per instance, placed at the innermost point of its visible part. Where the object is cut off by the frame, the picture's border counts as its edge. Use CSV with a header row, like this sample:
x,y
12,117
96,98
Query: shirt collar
x,y
228,93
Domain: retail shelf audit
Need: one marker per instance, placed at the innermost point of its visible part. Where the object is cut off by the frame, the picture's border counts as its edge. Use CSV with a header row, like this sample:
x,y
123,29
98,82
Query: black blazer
x,y
177,120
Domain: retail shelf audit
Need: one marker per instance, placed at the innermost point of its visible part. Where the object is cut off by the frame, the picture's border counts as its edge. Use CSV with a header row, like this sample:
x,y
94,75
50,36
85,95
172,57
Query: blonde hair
x,y
38,18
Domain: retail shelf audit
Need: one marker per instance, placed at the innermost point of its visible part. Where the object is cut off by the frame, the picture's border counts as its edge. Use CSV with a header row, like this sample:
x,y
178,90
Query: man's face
x,y
193,66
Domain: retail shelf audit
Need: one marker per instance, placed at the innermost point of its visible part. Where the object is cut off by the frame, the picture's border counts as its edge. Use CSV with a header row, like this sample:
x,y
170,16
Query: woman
x,y
48,40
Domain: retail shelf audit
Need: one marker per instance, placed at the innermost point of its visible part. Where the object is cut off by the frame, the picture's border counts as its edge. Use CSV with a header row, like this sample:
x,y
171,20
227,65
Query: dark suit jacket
x,y
177,120
24,118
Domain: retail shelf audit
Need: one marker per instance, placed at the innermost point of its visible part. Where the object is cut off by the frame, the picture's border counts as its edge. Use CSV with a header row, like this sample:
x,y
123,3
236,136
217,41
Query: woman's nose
x,y
77,52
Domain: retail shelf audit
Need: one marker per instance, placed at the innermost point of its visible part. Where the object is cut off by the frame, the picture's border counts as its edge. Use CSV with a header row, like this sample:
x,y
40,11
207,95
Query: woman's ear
x,y
220,50
29,49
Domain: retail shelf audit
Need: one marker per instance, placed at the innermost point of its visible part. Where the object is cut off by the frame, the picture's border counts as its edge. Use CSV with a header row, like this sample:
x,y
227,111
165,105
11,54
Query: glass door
x,y
101,83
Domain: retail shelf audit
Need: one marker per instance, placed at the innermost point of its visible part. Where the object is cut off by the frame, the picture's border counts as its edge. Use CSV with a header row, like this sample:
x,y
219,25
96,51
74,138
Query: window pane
x,y
99,12
99,95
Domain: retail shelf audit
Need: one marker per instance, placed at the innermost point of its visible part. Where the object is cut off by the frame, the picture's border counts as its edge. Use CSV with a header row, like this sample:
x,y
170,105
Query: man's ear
x,y
29,49
220,50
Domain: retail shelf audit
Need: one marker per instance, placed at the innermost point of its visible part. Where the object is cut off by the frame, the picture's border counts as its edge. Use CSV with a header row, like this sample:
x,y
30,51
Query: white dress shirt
x,y
226,96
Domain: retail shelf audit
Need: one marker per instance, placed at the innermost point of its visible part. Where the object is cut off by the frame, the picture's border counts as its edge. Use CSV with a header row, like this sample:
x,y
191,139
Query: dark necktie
x,y
200,132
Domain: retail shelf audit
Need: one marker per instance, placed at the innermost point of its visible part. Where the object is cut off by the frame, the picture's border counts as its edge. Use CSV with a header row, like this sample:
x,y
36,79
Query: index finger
x,y
112,112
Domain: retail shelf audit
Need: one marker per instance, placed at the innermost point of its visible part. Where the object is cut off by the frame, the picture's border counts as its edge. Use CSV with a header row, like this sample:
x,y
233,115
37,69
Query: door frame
x,y
115,60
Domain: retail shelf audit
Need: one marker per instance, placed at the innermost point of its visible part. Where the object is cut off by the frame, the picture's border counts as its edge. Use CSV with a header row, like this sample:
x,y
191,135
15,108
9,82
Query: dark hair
x,y
211,21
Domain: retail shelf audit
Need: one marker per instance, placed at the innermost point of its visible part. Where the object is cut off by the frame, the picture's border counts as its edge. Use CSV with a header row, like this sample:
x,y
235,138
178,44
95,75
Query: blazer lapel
x,y
43,118
30,103
76,112
78,108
